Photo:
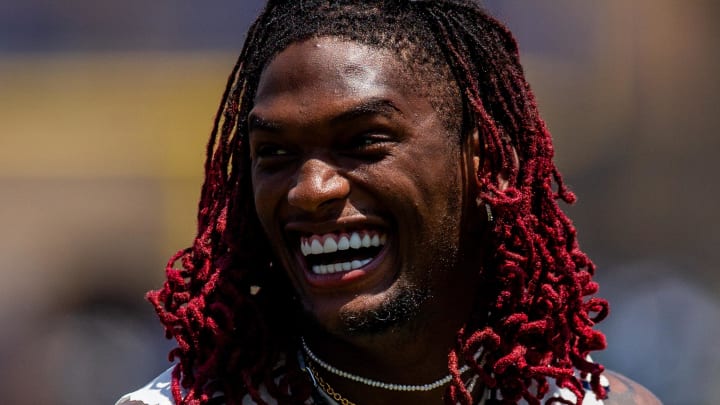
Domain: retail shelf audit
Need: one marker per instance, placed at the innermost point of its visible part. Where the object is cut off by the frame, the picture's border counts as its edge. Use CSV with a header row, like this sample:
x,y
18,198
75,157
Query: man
x,y
378,224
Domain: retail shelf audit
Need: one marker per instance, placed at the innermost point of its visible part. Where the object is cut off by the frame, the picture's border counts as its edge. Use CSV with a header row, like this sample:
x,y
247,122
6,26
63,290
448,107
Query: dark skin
x,y
626,391
342,141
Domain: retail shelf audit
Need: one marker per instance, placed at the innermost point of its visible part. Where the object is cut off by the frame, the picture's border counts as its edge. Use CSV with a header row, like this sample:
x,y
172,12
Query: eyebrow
x,y
374,106
259,123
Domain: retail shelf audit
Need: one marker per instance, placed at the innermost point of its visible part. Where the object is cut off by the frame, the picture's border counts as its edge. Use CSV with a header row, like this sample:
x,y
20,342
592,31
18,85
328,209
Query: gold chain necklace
x,y
327,388
330,391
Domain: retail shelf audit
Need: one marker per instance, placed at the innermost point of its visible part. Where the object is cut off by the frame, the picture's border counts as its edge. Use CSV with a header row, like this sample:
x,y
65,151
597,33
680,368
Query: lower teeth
x,y
338,267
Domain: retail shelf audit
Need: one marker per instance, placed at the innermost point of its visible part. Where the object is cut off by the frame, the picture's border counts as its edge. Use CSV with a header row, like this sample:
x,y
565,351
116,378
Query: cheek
x,y
267,195
436,182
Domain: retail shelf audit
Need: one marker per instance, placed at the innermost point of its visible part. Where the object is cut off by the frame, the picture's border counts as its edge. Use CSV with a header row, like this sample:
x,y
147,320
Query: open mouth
x,y
333,253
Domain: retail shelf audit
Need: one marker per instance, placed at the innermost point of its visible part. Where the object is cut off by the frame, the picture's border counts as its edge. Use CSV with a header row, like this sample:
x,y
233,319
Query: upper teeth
x,y
330,243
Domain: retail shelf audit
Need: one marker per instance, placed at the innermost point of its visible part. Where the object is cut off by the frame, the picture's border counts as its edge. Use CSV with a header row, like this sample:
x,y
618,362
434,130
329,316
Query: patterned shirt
x,y
157,392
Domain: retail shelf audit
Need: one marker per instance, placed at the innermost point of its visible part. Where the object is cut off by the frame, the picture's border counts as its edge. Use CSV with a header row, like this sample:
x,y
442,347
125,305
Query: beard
x,y
394,313
404,309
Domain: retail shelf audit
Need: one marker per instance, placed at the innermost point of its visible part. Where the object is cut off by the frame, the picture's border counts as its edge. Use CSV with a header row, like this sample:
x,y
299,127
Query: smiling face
x,y
357,185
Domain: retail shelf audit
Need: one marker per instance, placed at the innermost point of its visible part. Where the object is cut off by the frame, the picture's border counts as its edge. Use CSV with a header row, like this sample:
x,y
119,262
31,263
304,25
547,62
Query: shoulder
x,y
156,392
620,391
624,391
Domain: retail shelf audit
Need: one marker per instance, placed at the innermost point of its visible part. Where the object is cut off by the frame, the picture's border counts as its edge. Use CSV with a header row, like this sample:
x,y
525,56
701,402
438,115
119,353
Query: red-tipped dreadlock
x,y
227,306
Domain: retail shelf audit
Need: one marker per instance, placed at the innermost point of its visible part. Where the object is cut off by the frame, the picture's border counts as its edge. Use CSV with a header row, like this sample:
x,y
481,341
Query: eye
x,y
369,146
270,151
369,141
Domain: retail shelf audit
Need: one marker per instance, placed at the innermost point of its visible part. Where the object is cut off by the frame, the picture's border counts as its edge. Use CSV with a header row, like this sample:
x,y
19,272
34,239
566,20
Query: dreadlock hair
x,y
230,310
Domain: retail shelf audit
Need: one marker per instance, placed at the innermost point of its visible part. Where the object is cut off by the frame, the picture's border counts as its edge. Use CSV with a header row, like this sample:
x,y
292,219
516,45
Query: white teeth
x,y
343,243
355,241
316,248
304,247
330,246
339,267
356,264
331,243
366,240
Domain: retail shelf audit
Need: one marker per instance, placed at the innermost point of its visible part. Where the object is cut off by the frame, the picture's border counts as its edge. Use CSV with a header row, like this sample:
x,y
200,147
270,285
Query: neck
x,y
313,360
413,354
399,393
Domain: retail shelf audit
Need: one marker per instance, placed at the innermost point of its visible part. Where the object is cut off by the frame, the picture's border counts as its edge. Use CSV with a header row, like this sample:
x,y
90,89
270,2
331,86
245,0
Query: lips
x,y
333,253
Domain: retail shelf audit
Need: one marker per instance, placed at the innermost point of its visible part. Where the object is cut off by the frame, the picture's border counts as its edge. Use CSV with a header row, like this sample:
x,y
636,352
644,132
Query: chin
x,y
367,316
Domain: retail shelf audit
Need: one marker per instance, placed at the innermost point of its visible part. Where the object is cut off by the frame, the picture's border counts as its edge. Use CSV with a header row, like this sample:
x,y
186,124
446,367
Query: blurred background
x,y
105,109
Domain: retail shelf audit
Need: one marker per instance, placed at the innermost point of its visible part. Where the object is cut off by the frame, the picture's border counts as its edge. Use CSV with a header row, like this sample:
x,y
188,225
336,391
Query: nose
x,y
318,185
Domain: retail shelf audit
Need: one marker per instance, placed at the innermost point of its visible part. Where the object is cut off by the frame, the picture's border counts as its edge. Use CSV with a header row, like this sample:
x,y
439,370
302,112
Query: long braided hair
x,y
230,310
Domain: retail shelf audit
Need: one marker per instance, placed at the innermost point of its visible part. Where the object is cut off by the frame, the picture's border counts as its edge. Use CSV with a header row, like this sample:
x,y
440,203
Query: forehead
x,y
325,55
330,70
